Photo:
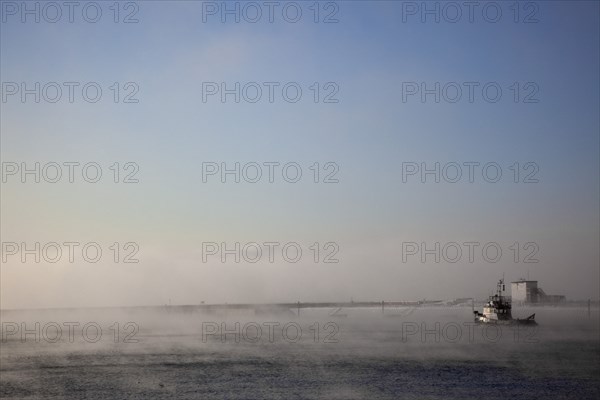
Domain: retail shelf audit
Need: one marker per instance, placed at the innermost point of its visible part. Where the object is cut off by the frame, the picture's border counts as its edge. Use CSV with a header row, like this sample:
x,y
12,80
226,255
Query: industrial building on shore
x,y
527,292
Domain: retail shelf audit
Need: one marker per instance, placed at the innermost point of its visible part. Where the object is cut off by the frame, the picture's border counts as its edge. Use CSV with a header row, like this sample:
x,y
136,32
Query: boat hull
x,y
482,319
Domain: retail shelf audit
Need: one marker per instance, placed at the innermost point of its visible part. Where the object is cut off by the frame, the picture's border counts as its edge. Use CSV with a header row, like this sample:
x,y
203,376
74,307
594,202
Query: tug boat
x,y
498,310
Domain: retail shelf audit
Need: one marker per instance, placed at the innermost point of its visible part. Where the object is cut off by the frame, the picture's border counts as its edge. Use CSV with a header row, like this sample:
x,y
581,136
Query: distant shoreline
x,y
304,305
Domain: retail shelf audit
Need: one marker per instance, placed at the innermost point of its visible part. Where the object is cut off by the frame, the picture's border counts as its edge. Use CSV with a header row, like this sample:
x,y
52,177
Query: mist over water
x,y
361,353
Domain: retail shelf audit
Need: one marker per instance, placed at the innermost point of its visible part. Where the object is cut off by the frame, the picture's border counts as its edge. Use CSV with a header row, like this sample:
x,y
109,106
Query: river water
x,y
406,353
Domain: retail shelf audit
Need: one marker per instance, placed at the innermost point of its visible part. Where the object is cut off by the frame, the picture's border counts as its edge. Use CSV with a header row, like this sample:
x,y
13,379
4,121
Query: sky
x,y
379,85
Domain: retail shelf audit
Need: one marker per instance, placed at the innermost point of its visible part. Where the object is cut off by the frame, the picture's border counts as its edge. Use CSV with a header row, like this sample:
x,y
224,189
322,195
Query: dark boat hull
x,y
525,321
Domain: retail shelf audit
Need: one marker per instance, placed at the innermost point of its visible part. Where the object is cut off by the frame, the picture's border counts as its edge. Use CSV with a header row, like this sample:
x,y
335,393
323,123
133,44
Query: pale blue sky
x,y
369,133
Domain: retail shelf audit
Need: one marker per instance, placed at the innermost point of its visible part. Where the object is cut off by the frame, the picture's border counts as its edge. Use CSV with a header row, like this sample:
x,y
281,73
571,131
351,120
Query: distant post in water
x,y
589,308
